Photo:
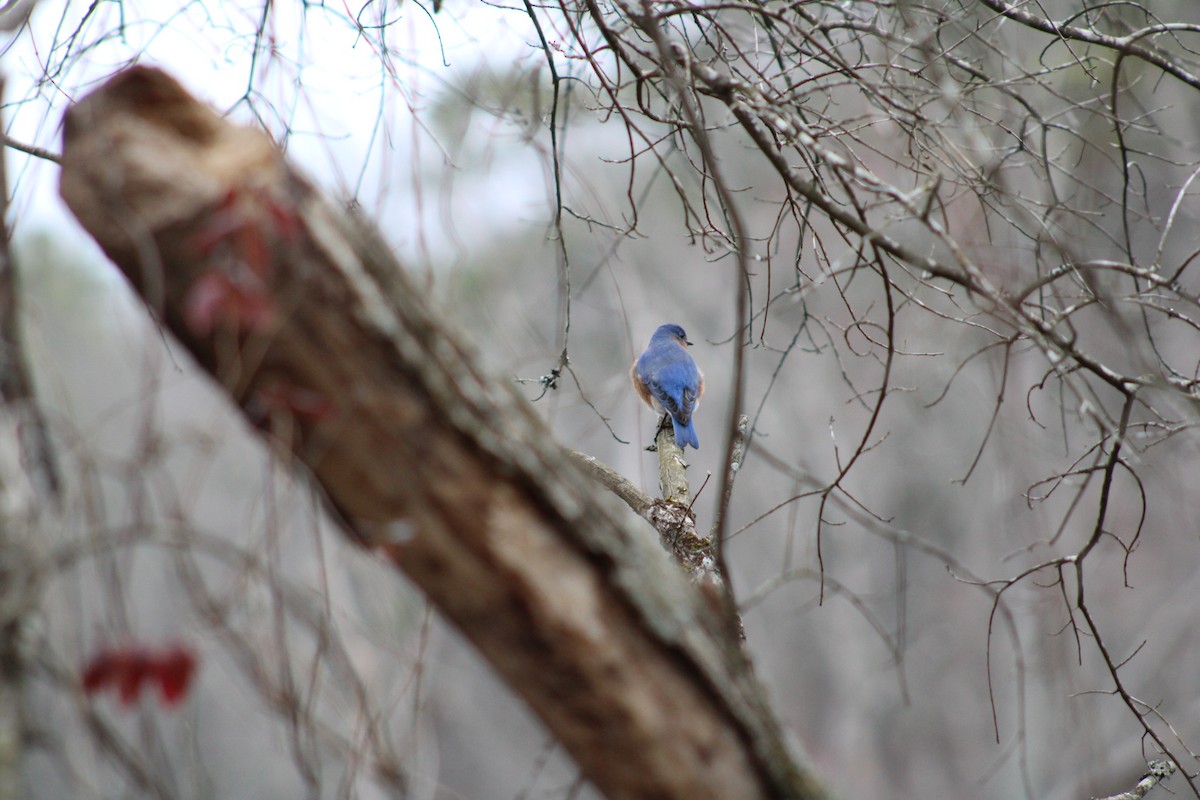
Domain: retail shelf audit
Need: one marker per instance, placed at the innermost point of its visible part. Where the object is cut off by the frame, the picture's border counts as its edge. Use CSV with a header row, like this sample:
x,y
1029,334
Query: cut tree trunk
x,y
303,315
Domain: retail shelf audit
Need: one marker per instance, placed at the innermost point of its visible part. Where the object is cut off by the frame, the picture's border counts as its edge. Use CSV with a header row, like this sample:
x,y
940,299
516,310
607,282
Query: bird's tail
x,y
685,434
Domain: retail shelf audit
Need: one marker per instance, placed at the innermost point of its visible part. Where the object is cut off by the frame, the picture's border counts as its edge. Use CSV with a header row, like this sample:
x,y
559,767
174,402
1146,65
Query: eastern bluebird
x,y
667,379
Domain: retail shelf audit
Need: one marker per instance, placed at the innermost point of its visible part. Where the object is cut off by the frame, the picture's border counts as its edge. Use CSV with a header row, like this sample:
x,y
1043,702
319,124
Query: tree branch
x,y
1159,772
306,319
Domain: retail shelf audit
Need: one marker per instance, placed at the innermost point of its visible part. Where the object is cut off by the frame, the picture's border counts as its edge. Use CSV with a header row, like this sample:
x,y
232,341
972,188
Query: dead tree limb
x,y
299,311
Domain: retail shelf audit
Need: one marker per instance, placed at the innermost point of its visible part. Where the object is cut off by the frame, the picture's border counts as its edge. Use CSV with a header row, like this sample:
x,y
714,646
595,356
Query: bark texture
x,y
302,314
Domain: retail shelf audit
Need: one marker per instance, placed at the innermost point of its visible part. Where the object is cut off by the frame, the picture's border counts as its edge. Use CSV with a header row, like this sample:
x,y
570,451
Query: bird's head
x,y
672,331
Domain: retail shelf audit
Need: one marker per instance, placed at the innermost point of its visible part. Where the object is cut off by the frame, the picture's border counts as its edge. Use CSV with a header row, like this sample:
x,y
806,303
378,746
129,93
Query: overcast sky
x,y
358,122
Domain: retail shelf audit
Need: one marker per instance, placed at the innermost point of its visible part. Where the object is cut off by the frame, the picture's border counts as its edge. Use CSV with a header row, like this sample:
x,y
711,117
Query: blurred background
x,y
920,467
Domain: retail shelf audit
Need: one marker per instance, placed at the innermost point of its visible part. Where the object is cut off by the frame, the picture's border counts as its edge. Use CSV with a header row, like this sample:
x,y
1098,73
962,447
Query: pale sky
x,y
359,122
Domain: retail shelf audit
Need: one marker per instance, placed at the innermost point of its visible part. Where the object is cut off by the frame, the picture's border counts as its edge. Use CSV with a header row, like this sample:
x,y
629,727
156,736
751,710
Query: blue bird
x,y
668,380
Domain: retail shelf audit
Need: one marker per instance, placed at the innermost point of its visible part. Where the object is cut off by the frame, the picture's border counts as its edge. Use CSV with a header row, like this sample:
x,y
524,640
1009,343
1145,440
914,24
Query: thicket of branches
x,y
915,196
1016,176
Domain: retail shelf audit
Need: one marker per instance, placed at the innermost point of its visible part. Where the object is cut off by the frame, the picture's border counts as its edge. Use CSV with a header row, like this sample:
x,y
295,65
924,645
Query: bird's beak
x,y
688,342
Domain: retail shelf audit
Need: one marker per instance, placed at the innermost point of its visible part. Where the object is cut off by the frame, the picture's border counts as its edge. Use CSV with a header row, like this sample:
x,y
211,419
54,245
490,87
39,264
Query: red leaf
x,y
127,670
98,672
175,669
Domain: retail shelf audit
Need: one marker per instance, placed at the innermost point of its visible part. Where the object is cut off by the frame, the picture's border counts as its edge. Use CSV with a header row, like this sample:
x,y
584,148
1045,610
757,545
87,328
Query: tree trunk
x,y
303,315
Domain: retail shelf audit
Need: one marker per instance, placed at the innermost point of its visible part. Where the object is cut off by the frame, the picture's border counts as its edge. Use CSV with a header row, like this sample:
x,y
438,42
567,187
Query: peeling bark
x,y
304,316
